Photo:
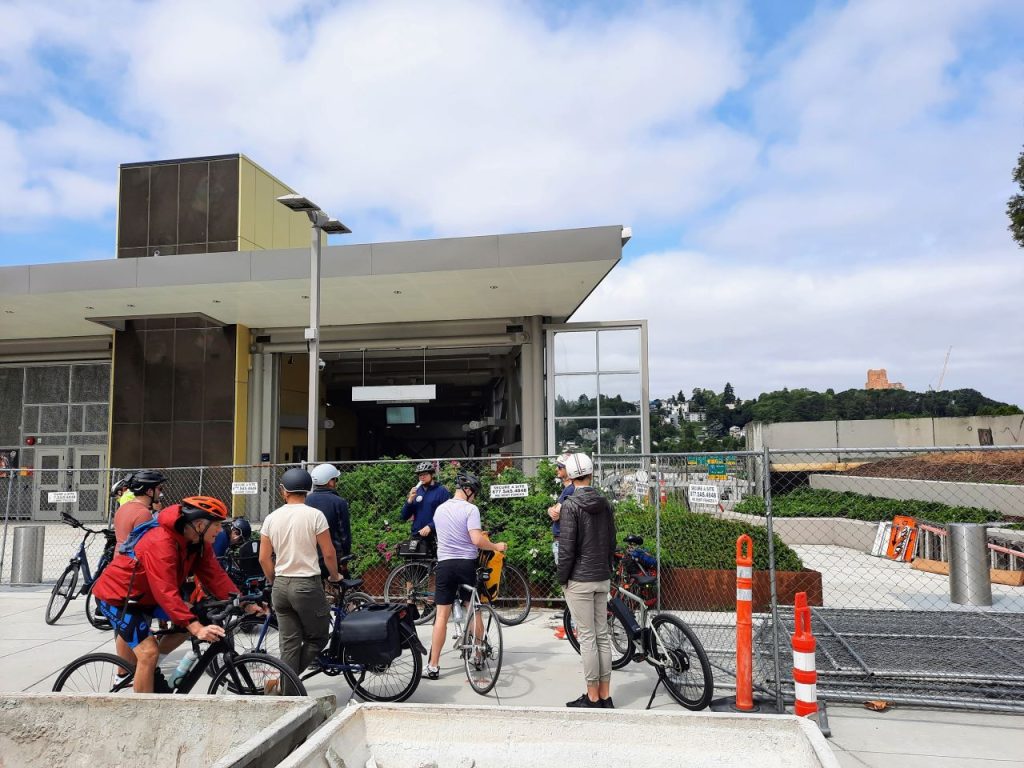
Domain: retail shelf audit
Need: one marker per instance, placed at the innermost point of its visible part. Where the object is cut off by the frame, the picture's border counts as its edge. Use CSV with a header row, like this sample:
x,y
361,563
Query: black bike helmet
x,y
466,481
297,480
145,479
425,466
241,525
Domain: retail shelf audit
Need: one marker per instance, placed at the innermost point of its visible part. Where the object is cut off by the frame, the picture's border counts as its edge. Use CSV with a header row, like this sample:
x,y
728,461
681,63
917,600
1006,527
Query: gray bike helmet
x,y
297,480
467,481
425,466
241,525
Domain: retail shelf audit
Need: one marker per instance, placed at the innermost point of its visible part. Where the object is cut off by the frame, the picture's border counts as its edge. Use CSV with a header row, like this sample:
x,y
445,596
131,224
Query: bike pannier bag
x,y
625,616
413,548
372,635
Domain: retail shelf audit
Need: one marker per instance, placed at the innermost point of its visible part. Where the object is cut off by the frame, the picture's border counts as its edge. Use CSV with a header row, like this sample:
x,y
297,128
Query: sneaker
x,y
607,703
432,673
585,702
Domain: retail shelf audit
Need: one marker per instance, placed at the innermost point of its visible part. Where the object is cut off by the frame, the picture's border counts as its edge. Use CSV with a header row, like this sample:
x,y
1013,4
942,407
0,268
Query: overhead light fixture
x,y
395,393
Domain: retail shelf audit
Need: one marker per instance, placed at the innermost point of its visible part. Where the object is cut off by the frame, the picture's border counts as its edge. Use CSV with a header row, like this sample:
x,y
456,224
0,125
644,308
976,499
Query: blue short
x,y
131,624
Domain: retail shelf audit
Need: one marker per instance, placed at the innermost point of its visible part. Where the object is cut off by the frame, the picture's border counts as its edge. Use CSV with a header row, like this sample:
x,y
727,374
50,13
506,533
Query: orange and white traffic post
x,y
744,624
805,674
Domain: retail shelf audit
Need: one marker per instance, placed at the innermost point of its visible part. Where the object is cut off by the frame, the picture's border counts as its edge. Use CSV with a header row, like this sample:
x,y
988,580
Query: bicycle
x,y
66,589
478,636
414,582
393,681
242,674
666,643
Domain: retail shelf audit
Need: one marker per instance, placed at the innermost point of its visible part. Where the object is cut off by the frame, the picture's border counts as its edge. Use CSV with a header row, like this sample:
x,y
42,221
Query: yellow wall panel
x,y
282,225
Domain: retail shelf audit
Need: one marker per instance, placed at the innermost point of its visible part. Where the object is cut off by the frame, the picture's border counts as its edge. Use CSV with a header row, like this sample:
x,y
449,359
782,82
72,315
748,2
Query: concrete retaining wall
x,y
95,730
1007,499
837,531
413,735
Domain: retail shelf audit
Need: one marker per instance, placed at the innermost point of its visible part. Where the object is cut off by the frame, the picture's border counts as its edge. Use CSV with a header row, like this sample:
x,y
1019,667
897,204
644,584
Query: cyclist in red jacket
x,y
145,583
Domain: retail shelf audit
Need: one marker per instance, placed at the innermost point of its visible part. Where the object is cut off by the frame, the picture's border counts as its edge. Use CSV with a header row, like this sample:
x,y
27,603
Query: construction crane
x,y
945,364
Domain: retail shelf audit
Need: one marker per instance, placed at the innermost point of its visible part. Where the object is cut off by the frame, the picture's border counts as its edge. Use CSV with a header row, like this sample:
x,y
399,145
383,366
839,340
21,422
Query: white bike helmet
x,y
324,473
578,465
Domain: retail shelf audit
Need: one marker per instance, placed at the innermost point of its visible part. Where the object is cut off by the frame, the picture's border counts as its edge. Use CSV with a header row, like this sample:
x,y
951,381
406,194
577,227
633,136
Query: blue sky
x,y
815,188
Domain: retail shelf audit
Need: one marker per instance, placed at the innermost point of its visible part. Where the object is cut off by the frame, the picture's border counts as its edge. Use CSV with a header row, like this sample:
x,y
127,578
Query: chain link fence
x,y
863,532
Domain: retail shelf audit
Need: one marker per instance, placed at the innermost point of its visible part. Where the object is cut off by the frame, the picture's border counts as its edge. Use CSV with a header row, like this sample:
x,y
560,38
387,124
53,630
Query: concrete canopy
x,y
539,273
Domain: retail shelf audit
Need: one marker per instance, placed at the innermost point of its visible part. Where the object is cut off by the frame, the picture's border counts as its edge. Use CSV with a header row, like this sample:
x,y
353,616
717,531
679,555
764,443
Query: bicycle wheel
x,y
63,593
623,647
412,583
92,613
250,637
388,682
355,601
256,674
482,648
512,603
96,673
684,666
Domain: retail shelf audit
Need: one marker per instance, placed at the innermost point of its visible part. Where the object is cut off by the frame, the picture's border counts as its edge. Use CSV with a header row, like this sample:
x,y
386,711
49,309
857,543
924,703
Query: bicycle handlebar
x,y
233,605
76,523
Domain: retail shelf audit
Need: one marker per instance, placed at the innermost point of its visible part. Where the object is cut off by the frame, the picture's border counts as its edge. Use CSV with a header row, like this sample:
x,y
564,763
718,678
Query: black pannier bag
x,y
373,635
414,548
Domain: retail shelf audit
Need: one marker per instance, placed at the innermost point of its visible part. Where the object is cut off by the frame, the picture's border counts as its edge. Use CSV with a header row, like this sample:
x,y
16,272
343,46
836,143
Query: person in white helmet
x,y
586,558
324,497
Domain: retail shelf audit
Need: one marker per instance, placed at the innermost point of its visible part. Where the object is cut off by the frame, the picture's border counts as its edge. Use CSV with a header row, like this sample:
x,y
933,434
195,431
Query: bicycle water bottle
x,y
458,612
186,663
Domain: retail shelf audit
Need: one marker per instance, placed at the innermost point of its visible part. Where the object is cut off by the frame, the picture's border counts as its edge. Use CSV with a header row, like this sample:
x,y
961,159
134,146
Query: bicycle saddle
x,y
351,583
646,581
635,540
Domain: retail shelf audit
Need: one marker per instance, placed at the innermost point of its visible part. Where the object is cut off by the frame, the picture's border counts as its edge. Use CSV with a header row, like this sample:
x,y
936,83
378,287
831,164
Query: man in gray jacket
x,y
586,558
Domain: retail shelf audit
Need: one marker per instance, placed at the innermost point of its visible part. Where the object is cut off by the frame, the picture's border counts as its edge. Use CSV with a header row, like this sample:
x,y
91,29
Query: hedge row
x,y
376,492
812,502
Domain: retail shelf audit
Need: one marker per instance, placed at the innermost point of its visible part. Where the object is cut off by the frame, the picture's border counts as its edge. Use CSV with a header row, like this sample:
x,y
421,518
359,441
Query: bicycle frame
x,y
647,645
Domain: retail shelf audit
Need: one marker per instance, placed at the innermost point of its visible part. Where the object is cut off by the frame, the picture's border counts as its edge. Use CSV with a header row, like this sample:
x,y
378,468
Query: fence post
x,y
766,474
656,472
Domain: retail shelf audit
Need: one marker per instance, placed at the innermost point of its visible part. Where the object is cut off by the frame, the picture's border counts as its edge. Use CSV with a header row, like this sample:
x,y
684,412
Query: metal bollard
x,y
969,578
27,554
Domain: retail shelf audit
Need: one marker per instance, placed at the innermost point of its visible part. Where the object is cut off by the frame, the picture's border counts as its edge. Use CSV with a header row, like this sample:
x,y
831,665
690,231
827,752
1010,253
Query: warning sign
x,y
510,491
702,494
62,497
245,489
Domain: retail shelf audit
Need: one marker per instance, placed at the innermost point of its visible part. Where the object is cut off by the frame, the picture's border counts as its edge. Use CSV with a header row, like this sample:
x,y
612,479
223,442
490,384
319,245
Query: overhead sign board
x,y
702,494
61,497
510,491
245,489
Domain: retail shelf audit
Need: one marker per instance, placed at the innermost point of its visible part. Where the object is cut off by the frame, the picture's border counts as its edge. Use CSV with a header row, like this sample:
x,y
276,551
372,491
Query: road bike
x,y
241,674
478,635
664,641
414,582
67,589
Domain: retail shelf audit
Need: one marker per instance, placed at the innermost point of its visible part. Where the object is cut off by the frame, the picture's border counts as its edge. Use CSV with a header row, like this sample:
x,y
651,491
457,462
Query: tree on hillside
x,y
728,396
1015,205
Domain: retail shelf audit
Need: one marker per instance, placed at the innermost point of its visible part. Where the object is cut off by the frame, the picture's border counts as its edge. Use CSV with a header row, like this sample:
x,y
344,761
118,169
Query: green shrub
x,y
813,502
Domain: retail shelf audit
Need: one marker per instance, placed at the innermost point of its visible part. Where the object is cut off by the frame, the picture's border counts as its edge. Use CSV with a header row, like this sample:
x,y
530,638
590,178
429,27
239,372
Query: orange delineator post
x,y
805,674
744,623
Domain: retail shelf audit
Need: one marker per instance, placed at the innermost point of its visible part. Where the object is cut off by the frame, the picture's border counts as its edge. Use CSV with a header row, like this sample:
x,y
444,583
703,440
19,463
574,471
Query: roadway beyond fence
x,y
877,588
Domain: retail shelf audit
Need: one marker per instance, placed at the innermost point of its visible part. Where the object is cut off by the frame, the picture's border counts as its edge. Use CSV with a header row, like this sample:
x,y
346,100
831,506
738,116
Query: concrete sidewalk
x,y
541,670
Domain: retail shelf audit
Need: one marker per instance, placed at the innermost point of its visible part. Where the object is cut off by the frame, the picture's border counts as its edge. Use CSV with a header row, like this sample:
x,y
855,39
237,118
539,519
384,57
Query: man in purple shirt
x,y
459,539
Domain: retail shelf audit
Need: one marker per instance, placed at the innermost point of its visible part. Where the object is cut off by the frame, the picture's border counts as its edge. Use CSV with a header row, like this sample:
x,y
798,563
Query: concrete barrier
x,y
417,735
90,730
1003,498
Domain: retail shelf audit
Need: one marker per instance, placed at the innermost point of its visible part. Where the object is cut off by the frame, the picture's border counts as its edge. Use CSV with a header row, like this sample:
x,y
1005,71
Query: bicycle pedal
x,y
639,657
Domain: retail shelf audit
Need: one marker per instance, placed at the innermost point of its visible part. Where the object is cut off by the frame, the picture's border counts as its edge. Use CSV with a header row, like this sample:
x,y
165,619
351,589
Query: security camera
x,y
321,364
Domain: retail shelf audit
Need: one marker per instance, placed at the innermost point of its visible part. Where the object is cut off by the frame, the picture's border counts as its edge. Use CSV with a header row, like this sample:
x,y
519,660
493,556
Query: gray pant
x,y
588,604
303,619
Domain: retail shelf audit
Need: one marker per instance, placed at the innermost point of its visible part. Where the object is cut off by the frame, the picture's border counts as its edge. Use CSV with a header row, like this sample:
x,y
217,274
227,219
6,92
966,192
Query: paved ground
x,y
541,670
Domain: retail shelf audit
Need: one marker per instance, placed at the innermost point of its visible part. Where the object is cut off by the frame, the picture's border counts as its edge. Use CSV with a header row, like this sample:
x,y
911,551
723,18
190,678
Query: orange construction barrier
x,y
805,674
902,538
744,624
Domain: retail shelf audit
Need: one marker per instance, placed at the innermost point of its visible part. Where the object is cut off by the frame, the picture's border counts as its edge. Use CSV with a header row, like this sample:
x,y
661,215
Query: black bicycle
x,y
67,589
240,674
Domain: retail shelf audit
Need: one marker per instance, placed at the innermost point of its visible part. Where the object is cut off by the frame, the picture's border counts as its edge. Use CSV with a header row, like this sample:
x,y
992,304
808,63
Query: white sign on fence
x,y
510,491
59,497
245,489
703,494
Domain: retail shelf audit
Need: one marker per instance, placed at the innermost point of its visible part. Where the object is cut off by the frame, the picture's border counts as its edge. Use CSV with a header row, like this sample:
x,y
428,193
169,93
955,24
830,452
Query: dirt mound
x,y
961,466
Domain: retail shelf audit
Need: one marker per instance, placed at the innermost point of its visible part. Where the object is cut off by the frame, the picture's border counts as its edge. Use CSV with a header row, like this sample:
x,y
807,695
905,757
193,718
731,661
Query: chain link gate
x,y
883,618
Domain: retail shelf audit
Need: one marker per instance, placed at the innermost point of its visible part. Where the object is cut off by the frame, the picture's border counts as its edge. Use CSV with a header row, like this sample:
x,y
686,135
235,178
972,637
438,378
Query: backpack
x,y
140,530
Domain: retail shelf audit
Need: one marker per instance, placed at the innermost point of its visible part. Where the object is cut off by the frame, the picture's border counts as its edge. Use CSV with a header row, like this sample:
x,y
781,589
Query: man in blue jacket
x,y
335,509
425,497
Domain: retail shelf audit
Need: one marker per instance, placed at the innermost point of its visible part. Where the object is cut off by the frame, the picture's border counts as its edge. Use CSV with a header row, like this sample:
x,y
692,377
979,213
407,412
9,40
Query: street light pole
x,y
321,223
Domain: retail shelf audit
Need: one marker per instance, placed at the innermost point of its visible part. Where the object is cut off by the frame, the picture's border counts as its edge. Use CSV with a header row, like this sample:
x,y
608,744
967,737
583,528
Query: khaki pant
x,y
303,619
588,604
